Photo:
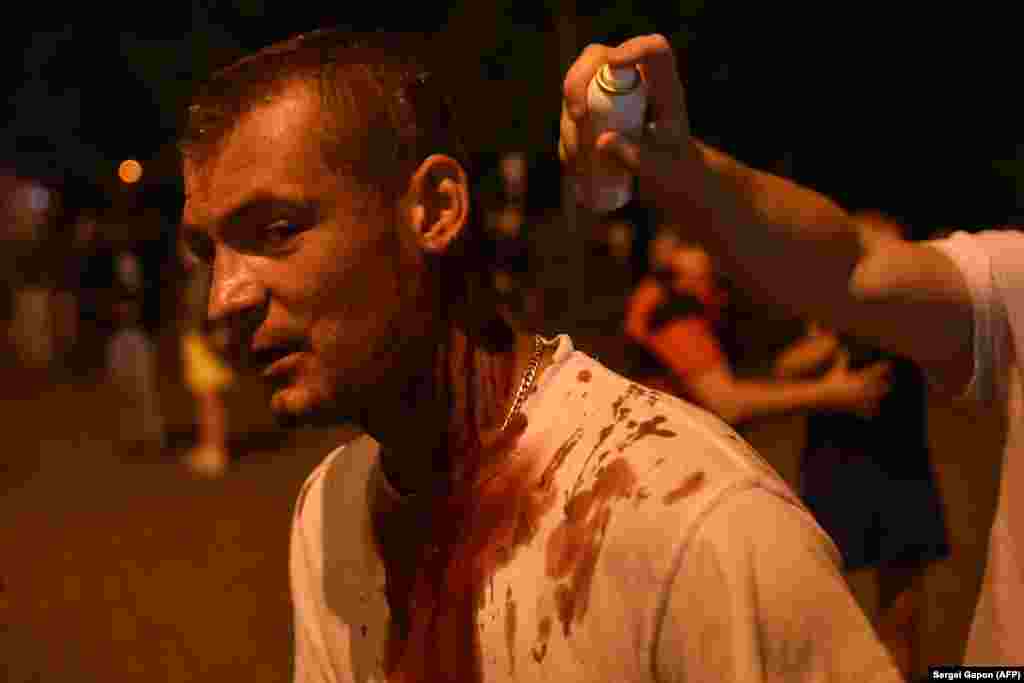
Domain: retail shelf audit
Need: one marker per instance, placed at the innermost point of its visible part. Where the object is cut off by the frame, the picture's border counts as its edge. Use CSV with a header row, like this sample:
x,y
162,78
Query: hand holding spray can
x,y
616,100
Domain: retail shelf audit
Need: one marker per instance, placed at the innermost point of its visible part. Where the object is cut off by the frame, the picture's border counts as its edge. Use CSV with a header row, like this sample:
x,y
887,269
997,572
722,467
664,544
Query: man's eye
x,y
279,234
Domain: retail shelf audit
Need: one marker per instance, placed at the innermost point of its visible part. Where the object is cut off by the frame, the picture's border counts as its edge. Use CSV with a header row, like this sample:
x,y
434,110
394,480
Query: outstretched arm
x,y
806,355
690,350
790,242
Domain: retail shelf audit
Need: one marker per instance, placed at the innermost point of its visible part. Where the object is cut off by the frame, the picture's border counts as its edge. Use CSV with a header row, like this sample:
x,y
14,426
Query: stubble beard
x,y
352,396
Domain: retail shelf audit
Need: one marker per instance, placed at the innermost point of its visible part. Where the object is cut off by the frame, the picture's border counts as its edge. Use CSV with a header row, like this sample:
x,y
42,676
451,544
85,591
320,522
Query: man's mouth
x,y
274,361
283,366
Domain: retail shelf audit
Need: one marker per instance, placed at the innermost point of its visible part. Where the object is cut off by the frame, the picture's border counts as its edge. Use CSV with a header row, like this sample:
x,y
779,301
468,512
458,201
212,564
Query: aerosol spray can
x,y
616,100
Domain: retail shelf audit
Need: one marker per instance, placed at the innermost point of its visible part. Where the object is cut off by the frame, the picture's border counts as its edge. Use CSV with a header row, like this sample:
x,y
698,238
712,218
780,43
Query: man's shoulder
x,y
983,250
675,452
638,419
344,473
648,469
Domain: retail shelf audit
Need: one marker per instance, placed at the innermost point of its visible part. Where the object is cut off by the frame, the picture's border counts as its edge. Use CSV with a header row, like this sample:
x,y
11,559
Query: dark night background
x,y
913,117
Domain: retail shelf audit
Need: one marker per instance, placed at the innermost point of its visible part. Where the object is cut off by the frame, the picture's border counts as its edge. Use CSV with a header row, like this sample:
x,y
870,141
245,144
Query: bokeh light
x,y
130,171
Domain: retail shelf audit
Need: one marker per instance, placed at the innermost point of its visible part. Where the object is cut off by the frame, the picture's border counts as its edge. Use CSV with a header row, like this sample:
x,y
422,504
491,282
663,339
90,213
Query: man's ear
x,y
438,202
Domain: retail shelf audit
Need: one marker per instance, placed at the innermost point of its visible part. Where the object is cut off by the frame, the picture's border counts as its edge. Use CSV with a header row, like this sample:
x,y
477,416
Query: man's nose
x,y
235,291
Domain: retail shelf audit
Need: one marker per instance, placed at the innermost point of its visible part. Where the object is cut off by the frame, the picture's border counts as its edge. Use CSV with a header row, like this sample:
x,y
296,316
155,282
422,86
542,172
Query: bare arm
x,y
641,303
738,400
782,239
909,298
691,352
806,355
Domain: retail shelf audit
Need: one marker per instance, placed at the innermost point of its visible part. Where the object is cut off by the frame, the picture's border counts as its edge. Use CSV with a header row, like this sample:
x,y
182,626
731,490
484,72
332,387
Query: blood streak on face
x,y
574,547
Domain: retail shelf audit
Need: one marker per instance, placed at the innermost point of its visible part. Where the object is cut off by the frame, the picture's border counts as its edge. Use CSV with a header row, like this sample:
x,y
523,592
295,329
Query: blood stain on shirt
x,y
584,376
540,648
603,434
437,583
642,494
560,455
689,486
619,409
619,413
645,429
574,546
510,631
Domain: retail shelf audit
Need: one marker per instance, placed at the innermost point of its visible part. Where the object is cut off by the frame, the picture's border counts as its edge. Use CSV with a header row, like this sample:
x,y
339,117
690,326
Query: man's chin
x,y
293,409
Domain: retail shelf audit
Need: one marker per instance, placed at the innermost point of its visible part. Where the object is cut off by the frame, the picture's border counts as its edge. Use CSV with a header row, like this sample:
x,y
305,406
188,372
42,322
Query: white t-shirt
x,y
673,552
993,265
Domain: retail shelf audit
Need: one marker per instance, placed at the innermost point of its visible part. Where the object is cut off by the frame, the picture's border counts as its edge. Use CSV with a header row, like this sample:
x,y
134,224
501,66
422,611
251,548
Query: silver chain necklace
x,y
528,377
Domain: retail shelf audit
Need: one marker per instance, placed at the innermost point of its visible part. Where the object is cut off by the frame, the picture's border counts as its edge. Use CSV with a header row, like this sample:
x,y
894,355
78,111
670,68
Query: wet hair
x,y
384,109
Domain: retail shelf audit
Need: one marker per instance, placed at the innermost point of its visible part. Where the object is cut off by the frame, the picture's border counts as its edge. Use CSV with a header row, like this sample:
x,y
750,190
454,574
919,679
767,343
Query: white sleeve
x,y
311,660
970,255
758,597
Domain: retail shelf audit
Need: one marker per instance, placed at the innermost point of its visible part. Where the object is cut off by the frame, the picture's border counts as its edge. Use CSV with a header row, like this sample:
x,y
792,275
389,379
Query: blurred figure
x,y
899,529
31,208
131,360
67,302
608,280
206,376
506,223
674,316
514,170
620,241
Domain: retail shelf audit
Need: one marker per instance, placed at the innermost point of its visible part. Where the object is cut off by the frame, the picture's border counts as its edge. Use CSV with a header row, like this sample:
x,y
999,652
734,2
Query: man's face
x,y
308,269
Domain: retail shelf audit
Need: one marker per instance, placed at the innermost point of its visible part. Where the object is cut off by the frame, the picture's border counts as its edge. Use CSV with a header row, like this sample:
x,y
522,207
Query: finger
x,y
577,79
657,61
568,141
